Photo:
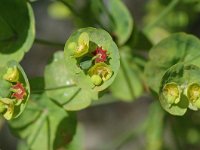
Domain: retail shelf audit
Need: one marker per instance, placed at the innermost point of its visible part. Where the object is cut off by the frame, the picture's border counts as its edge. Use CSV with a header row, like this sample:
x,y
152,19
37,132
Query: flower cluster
x,y
172,93
94,62
100,72
15,92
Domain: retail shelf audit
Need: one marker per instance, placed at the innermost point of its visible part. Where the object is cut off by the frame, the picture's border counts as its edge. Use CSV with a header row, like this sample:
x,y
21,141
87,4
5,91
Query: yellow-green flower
x,y
7,106
193,94
171,93
81,47
12,74
101,70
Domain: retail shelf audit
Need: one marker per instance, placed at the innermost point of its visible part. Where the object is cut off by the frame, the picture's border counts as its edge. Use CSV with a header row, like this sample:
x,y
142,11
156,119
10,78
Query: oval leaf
x,y
122,20
67,94
17,28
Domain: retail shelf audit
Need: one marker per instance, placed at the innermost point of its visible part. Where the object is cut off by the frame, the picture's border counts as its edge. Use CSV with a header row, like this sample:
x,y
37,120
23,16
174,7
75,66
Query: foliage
x,y
106,57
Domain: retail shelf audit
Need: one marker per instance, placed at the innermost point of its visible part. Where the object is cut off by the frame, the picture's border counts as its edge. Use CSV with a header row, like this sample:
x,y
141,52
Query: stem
x,y
128,80
163,14
174,136
49,43
51,89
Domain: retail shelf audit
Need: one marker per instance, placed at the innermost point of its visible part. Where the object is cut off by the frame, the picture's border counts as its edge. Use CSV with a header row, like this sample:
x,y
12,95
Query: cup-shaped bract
x,y
15,90
171,93
92,55
174,59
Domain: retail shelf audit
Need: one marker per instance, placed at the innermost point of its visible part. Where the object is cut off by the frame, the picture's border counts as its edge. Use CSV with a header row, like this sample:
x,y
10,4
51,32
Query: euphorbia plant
x,y
106,56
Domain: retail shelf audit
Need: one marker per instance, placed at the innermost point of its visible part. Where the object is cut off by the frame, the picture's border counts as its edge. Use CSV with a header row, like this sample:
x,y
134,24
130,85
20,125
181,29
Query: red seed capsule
x,y
19,91
101,55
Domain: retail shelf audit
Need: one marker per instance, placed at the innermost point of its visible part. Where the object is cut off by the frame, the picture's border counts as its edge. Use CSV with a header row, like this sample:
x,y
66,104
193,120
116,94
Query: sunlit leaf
x,y
58,78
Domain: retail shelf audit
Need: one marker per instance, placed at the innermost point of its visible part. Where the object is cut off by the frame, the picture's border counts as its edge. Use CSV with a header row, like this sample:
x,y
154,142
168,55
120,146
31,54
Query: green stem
x,y
49,43
128,80
51,89
162,16
174,135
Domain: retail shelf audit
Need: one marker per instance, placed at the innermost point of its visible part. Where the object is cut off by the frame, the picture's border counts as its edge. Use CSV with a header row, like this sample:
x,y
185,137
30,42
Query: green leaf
x,y
78,140
44,121
98,12
128,84
58,78
122,20
14,106
179,47
17,28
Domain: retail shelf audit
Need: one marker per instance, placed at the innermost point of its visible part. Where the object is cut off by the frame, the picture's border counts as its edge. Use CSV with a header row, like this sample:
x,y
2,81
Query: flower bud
x,y
171,93
96,79
102,70
12,74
